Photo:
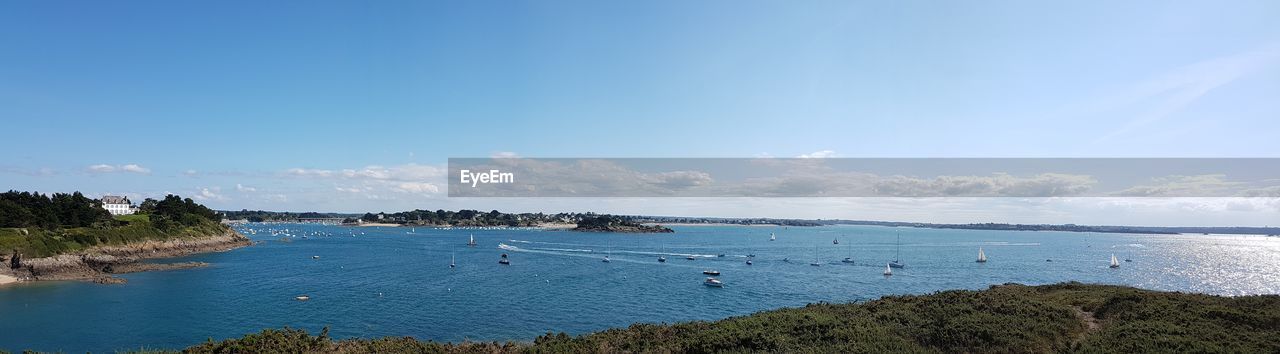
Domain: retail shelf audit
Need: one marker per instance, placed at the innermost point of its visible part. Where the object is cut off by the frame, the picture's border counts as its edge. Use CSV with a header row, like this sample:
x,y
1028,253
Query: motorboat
x,y
713,282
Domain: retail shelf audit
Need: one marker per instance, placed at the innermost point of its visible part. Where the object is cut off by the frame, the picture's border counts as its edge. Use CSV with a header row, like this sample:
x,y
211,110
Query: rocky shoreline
x,y
98,264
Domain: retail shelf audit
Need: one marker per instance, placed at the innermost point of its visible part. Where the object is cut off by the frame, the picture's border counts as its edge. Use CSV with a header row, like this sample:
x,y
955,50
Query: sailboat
x,y
815,258
848,260
835,241
888,270
453,261
897,263
1114,262
661,257
982,257
472,243
772,237
607,252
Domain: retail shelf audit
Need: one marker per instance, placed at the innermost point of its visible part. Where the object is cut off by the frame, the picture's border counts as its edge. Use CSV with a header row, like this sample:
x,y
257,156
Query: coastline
x,y
716,224
548,226
99,264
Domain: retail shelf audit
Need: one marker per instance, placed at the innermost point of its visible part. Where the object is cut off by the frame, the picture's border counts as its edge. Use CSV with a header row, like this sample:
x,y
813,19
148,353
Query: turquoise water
x,y
388,282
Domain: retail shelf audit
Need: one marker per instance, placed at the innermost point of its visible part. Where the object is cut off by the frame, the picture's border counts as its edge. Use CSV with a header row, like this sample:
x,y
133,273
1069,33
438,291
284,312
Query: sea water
x,y
388,281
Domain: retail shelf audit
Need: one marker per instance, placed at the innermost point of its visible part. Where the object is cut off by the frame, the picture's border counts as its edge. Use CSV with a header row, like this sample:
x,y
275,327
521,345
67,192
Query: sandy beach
x,y
7,279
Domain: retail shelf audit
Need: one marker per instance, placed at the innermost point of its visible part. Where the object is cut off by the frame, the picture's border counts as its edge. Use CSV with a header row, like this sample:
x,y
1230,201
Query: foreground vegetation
x,y
1069,317
36,225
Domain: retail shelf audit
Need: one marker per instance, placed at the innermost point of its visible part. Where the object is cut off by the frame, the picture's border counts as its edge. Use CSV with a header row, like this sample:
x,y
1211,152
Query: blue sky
x,y
237,101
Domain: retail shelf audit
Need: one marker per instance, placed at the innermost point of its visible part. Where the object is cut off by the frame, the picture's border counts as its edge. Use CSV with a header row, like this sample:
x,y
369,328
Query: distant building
x,y
117,205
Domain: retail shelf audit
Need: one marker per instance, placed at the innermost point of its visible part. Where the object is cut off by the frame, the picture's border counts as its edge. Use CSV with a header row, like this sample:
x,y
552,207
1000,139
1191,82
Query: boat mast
x,y
898,253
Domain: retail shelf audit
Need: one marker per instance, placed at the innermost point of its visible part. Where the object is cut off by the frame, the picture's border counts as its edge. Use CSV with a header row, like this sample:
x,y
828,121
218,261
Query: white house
x,y
117,205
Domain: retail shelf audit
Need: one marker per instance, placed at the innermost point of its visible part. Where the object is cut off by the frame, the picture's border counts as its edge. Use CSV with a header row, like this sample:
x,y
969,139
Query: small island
x,y
609,223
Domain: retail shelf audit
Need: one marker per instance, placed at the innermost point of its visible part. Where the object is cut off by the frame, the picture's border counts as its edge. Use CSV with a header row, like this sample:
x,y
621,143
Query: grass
x,y
44,243
1008,319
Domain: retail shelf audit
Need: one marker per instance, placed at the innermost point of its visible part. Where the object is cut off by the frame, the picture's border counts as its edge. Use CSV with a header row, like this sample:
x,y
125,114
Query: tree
x,y
148,206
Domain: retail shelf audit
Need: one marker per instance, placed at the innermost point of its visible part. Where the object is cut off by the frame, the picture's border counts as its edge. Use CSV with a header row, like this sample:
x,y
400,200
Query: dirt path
x,y
1090,324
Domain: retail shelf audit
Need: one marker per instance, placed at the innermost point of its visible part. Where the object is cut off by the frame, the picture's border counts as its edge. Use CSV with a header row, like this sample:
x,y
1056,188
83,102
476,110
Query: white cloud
x,y
40,172
135,169
1000,184
207,194
190,173
304,172
504,155
818,154
348,189
1162,96
130,168
101,168
408,172
1175,186
417,187
243,188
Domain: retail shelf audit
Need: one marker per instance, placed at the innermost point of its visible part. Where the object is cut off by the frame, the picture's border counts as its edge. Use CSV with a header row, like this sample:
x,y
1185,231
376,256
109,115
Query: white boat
x,y
302,298
473,241
711,272
982,257
748,261
605,260
1114,262
713,282
504,260
662,259
815,258
835,241
690,258
452,261
888,270
772,237
315,257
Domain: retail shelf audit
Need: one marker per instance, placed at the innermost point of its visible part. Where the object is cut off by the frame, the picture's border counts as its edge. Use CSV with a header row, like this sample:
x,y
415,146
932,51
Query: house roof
x,y
114,199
